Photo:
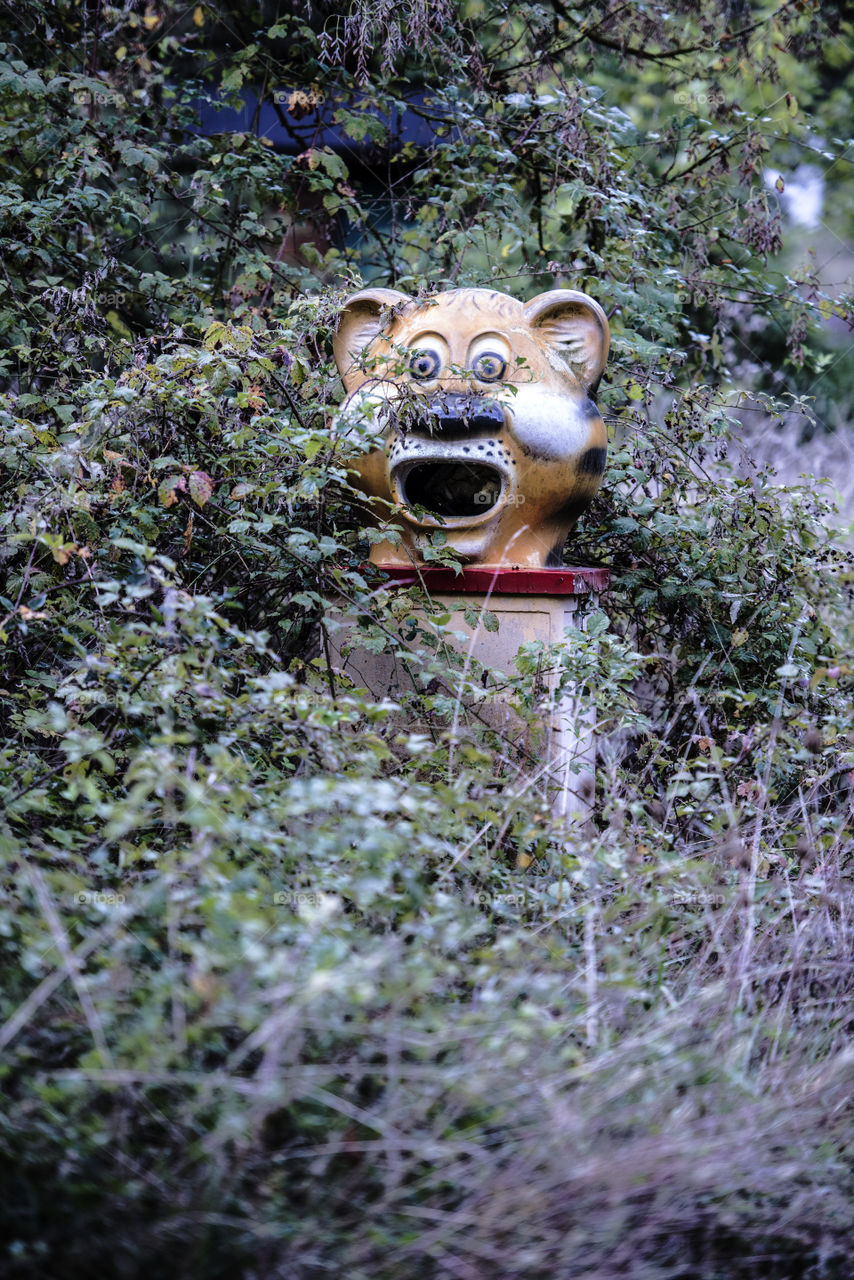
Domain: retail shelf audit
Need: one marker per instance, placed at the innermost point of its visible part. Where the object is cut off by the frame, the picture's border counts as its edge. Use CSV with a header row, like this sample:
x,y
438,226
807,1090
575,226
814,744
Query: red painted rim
x,y
482,580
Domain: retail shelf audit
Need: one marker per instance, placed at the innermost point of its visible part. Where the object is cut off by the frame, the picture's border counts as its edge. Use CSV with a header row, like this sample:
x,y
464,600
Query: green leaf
x,y
169,489
201,487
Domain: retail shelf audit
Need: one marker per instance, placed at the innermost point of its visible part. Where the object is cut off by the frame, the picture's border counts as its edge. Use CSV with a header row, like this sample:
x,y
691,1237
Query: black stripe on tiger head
x,y
571,511
592,462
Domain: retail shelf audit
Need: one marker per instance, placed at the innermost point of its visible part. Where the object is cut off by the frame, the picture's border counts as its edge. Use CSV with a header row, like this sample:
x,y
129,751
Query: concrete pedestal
x,y
547,605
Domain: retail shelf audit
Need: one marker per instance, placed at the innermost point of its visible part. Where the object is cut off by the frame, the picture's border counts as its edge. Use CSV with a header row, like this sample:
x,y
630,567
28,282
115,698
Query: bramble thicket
x,y
300,983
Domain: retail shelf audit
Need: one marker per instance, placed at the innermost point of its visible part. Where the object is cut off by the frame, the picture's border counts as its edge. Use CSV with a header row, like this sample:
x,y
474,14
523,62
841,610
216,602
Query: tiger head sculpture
x,y
485,408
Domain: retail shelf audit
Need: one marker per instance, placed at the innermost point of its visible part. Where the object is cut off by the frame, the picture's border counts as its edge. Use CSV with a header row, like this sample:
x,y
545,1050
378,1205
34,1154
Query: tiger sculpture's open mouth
x,y
452,468
449,489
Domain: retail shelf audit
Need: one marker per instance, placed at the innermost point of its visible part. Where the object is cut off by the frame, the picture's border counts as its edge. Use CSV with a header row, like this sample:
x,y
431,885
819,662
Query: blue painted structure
x,y
292,134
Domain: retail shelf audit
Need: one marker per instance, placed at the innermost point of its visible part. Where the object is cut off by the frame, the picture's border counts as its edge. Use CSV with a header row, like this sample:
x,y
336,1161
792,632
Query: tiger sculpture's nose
x,y
453,414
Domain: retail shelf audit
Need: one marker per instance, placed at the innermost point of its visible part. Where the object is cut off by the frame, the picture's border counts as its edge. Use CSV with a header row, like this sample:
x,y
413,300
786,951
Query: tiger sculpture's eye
x,y
489,366
425,365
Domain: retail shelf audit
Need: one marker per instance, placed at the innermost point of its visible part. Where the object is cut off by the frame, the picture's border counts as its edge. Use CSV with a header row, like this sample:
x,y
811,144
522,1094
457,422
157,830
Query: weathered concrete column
x,y
546,605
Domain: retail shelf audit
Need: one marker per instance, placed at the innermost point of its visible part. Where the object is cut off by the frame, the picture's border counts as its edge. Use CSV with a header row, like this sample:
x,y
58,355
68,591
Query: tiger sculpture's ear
x,y
576,328
360,323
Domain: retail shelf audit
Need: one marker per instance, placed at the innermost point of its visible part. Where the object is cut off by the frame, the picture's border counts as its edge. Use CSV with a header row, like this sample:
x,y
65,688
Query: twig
x,y
71,960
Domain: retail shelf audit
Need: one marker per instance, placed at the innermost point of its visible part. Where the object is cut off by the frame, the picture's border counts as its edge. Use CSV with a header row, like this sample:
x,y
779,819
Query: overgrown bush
x,y
300,982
